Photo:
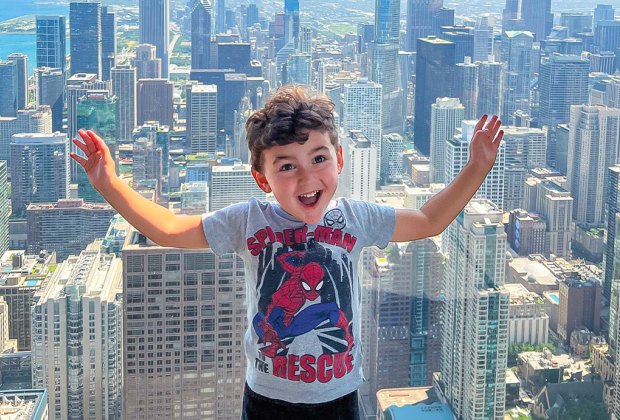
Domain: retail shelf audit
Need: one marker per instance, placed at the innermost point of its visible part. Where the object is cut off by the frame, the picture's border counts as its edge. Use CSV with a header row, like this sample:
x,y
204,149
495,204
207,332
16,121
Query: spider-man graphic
x,y
283,317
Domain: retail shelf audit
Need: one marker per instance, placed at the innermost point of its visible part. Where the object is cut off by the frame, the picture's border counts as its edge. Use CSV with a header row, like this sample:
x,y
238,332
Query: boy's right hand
x,y
99,163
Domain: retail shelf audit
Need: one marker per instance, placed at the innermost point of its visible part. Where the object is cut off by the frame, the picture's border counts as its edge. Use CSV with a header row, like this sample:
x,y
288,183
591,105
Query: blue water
x,y
25,43
554,297
32,7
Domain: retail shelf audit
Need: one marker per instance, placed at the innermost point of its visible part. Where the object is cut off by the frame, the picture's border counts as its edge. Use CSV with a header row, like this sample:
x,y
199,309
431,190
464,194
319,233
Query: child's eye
x,y
286,167
320,159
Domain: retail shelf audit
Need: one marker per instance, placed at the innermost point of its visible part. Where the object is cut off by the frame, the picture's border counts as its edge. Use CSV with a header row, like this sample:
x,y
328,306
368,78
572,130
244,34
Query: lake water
x,y
25,43
33,7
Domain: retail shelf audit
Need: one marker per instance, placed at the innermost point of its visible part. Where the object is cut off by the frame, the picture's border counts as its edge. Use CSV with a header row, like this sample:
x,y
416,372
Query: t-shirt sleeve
x,y
225,228
376,222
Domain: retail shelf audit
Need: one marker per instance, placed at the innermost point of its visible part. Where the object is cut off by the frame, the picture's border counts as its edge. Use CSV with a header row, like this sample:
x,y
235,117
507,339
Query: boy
x,y
301,253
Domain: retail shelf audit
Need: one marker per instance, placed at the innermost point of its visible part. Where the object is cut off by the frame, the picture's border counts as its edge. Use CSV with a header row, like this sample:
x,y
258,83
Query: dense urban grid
x,y
513,312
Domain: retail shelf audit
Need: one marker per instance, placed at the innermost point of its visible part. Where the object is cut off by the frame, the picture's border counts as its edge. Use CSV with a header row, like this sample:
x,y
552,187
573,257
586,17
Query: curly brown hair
x,y
286,118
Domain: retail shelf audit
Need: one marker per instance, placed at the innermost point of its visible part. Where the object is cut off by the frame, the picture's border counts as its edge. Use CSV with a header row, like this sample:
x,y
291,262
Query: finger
x,y
491,122
88,141
79,159
480,123
98,141
498,139
81,146
496,127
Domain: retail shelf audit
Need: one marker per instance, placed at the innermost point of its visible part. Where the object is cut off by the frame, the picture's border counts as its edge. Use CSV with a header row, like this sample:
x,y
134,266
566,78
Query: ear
x,y
339,159
261,180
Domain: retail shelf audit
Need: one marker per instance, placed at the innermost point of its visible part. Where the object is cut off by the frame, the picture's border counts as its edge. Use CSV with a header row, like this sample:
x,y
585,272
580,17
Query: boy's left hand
x,y
484,144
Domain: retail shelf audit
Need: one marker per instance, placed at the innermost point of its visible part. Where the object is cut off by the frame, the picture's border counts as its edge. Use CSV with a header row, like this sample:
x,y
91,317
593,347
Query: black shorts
x,y
258,407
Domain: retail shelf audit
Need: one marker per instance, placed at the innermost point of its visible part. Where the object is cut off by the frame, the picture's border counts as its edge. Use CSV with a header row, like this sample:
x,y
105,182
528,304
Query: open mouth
x,y
310,199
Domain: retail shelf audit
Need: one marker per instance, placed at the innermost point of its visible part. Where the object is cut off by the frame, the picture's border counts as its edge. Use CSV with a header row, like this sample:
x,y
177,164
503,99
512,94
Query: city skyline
x,y
509,311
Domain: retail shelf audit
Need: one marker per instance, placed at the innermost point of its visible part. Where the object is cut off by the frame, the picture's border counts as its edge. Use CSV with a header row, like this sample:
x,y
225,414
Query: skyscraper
x,y
85,27
33,120
457,155
592,148
483,39
359,178
220,17
611,271
202,118
490,88
196,335
232,184
392,148
124,88
384,65
363,111
526,145
517,73
51,42
19,292
21,63
39,169
148,66
154,25
201,33
421,20
291,21
435,61
447,114
77,337
50,91
299,69
59,225
108,42
5,212
537,18
509,15
475,313
8,88
563,81
155,101
602,12
466,87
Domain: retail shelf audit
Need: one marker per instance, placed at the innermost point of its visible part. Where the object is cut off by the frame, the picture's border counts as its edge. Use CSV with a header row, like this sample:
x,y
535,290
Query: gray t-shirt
x,y
303,341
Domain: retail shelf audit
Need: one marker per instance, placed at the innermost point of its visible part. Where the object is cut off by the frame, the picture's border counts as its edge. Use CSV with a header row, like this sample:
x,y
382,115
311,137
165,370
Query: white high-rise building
x,y
447,115
77,341
124,88
202,118
363,111
232,184
457,155
392,147
359,175
475,314
545,197
592,148
185,319
37,120
527,145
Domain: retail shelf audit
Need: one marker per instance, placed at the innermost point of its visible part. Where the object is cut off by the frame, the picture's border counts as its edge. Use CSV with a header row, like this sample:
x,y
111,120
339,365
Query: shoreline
x,y
19,33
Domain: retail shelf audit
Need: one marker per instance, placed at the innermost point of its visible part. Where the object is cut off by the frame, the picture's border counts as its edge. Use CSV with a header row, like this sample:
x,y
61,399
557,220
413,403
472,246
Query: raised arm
x,y
154,221
438,212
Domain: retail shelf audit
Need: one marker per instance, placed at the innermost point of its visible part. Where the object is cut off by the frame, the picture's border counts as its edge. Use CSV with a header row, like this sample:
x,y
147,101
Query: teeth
x,y
312,194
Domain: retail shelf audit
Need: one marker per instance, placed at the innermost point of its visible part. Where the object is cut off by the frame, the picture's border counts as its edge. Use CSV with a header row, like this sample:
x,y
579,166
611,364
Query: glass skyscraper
x,y
85,26
154,29
51,41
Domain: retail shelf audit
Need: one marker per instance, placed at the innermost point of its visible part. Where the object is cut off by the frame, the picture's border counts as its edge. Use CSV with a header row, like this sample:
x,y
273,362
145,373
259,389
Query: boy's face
x,y
303,177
